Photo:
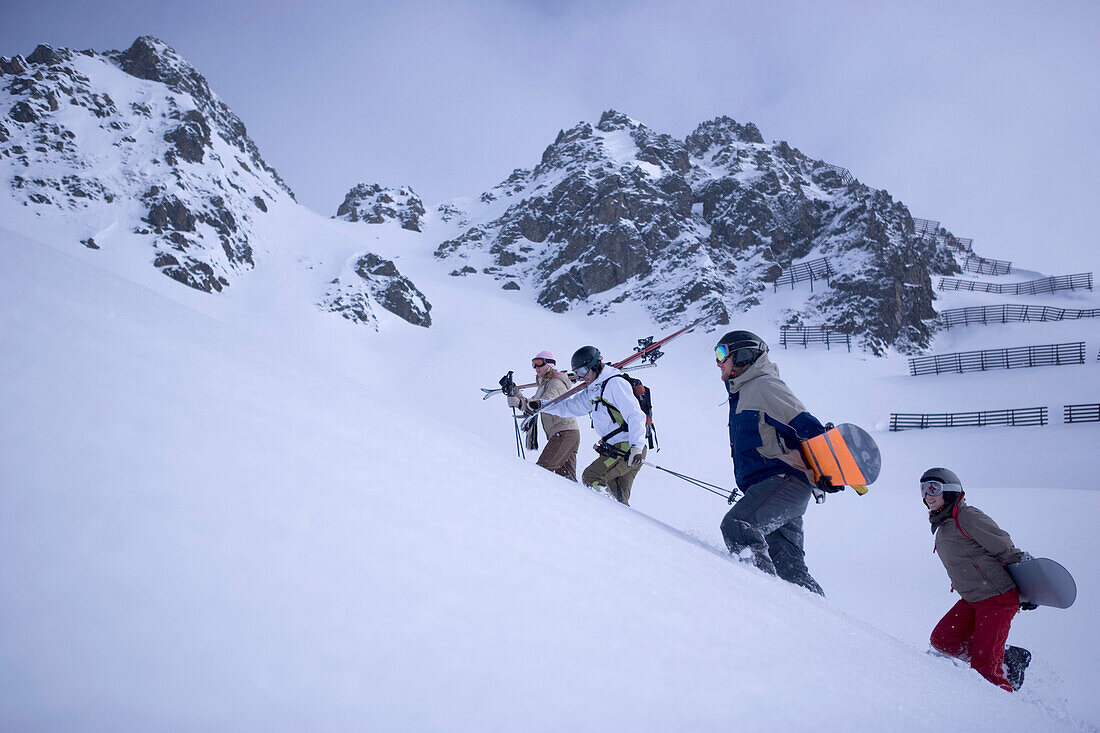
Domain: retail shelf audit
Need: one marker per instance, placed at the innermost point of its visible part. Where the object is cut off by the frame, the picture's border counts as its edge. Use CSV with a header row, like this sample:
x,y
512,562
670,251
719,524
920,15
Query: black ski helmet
x,y
586,356
943,475
735,340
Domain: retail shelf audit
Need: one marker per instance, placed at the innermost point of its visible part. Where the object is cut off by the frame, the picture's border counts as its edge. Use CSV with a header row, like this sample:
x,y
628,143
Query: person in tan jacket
x,y
563,437
974,551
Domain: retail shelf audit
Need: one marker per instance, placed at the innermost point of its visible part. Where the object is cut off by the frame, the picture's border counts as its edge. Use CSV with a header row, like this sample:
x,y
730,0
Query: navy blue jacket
x,y
767,423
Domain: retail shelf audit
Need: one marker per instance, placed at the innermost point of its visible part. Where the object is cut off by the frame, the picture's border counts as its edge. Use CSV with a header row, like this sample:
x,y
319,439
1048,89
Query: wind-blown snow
x,y
237,512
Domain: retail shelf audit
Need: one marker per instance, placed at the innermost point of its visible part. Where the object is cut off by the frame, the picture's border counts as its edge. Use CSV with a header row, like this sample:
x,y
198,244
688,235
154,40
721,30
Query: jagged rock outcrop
x,y
159,137
373,204
617,211
373,281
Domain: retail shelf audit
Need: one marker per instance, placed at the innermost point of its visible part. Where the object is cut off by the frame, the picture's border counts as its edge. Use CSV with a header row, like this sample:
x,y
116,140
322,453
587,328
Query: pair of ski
x,y
647,351
572,378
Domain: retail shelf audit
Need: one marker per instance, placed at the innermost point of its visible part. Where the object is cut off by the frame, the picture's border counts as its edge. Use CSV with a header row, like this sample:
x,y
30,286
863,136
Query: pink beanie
x,y
546,356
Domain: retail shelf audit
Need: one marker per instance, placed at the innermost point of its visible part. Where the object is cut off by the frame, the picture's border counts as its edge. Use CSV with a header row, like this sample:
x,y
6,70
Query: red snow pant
x,y
978,632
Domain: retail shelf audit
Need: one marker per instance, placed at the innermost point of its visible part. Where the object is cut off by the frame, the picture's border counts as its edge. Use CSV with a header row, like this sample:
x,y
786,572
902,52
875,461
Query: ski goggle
x,y
741,355
582,371
537,363
935,488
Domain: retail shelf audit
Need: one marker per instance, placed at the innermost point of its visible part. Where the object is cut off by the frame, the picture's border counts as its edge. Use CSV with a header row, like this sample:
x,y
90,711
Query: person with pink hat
x,y
563,437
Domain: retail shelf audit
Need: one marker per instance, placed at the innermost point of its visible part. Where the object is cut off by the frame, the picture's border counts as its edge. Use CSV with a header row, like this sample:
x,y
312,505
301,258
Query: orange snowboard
x,y
846,454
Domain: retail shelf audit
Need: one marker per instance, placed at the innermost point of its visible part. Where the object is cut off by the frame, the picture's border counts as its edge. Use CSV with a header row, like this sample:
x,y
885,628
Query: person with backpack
x,y
563,437
974,552
766,425
608,396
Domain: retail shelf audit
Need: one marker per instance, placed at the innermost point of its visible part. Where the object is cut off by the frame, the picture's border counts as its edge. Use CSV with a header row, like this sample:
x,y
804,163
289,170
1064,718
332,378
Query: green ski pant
x,y
614,474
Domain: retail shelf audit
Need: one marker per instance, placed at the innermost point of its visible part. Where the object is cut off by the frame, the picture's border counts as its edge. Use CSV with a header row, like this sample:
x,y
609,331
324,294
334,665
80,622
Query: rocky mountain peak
x,y
151,59
612,120
87,133
721,132
154,60
46,55
617,211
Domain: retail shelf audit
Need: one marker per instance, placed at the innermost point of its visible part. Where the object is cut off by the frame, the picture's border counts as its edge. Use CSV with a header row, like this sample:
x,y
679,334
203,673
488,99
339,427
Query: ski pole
x,y
519,440
701,484
610,450
508,386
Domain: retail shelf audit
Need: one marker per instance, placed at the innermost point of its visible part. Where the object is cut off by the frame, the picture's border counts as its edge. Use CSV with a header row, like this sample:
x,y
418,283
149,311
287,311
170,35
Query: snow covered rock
x,y
373,204
372,281
617,212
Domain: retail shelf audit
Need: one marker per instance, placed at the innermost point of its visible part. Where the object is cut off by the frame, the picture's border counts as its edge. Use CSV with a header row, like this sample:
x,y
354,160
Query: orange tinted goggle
x,y
742,355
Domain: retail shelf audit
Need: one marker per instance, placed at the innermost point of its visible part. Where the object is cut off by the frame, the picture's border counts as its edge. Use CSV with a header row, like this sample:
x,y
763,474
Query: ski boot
x,y
1016,661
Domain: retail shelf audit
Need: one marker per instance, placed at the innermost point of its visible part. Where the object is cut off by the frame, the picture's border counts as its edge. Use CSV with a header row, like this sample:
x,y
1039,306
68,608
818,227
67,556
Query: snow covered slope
x,y
233,513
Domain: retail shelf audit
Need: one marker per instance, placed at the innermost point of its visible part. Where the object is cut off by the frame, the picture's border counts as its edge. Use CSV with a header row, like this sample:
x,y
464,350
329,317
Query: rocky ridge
x,y
372,280
373,204
616,212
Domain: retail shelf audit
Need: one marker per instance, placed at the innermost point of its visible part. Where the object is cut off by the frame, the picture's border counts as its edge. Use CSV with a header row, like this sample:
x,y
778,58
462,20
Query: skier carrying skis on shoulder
x,y
616,416
766,424
563,437
974,551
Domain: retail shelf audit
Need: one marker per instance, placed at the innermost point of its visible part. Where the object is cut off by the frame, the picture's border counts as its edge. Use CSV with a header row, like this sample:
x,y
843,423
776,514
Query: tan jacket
x,y
974,551
555,385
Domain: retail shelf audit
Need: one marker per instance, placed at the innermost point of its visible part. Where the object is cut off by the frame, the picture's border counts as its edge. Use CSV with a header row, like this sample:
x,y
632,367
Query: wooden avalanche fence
x,y
844,173
1082,413
930,229
806,335
1014,417
818,269
1009,358
1012,313
1079,281
982,266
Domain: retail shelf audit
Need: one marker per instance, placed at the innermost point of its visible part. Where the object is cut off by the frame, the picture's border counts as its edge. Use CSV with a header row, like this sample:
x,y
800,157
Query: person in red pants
x,y
974,551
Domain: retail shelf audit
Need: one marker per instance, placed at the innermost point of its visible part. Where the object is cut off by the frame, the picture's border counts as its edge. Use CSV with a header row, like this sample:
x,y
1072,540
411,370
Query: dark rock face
x,y
45,54
169,213
23,112
374,279
616,211
191,138
16,65
373,204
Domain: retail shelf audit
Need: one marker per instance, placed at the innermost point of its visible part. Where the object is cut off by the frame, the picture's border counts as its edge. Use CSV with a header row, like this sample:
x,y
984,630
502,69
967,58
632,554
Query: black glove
x,y
534,405
608,450
1028,606
828,488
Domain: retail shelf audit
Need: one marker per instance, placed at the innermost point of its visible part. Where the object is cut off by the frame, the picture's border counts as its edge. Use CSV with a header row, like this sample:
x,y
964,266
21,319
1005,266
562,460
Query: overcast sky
x,y
982,115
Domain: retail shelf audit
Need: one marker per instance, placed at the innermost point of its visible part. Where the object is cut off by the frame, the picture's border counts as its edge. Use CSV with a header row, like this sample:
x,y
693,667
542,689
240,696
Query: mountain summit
x,y
616,211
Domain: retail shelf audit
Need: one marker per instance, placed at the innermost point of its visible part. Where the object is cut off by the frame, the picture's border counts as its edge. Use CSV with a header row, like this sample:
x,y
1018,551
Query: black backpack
x,y
644,396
